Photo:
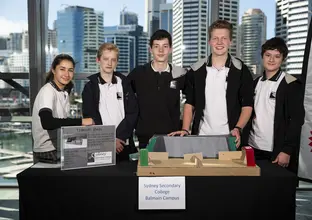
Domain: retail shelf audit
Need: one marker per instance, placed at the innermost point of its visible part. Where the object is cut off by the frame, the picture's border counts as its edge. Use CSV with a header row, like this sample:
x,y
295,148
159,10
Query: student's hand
x,y
178,133
235,132
87,121
282,159
119,145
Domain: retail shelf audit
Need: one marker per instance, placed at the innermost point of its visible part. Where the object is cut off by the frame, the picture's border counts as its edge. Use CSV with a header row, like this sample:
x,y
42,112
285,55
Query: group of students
x,y
221,99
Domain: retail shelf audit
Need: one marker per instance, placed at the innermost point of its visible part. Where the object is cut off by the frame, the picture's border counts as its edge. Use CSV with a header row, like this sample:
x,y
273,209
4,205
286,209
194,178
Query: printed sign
x,y
161,193
87,146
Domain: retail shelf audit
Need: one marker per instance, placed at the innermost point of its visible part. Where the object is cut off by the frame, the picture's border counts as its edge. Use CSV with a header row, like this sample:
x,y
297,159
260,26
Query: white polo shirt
x,y
215,119
52,98
111,106
262,132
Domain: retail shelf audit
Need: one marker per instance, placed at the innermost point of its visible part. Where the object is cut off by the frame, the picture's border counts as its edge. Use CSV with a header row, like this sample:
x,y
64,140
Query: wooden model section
x,y
229,163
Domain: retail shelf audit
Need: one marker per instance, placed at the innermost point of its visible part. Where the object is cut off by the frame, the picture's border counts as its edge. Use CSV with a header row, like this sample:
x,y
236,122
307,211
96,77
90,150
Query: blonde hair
x,y
107,46
221,24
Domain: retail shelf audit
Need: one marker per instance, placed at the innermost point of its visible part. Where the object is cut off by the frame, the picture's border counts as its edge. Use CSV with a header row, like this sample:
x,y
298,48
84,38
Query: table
x,y
112,192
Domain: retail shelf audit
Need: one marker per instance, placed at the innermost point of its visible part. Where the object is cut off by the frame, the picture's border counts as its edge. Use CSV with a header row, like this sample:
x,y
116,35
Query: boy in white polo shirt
x,y
219,90
278,109
109,100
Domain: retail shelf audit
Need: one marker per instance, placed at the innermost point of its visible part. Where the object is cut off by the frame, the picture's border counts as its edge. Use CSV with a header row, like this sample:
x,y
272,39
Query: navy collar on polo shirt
x,y
102,81
274,78
67,88
55,86
227,63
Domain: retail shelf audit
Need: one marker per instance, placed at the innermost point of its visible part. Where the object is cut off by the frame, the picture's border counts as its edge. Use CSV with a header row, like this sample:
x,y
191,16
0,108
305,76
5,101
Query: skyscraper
x,y
253,35
80,32
127,17
132,43
4,43
292,21
229,11
14,42
191,20
165,17
152,8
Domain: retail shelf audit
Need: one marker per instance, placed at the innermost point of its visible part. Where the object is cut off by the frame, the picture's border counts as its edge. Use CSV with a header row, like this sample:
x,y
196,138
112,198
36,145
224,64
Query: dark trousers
x,y
143,141
142,145
124,155
263,155
266,155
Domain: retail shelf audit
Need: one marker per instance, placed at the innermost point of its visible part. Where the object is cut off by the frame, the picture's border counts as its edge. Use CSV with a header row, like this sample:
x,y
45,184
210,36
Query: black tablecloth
x,y
112,192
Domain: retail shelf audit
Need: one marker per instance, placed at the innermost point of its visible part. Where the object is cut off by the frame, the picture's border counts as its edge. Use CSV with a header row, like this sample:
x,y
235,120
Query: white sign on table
x,y
161,193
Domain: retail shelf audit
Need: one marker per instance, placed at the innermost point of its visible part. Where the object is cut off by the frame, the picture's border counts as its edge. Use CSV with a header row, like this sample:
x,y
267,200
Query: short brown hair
x,y
275,43
221,24
107,46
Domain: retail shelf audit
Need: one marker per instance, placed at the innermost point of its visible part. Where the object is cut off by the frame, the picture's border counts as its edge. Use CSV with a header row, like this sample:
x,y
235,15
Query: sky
x,y
14,19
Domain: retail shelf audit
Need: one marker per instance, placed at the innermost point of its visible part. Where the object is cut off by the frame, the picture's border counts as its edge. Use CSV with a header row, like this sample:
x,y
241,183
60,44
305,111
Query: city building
x,y
253,35
128,18
80,32
165,17
191,21
152,9
132,43
292,22
229,11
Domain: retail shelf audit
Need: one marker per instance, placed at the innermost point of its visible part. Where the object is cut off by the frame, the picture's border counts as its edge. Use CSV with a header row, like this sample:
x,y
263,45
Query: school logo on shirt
x,y
272,95
119,95
173,84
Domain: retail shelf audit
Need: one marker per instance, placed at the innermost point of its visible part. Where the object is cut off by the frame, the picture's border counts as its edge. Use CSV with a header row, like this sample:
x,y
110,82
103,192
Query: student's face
x,y
220,41
161,50
272,60
63,73
108,61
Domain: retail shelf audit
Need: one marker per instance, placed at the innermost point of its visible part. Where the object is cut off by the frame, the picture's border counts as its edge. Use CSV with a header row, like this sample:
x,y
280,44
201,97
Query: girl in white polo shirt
x,y
51,109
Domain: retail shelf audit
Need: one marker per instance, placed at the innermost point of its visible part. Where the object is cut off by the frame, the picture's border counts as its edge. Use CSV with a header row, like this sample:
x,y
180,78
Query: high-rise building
x,y
253,35
14,42
128,18
165,17
152,8
3,43
25,41
80,32
93,38
229,11
292,21
19,62
132,43
52,39
191,20
238,38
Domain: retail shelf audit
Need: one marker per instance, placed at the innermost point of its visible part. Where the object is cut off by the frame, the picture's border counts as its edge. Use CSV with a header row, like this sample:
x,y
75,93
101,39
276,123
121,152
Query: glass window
x,y
15,115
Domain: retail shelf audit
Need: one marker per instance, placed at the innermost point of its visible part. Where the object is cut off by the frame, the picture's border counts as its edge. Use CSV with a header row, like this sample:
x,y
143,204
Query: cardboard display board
x,y
231,163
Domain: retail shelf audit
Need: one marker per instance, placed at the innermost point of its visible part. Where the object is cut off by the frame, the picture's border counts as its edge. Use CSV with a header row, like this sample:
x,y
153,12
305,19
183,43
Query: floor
x,y
9,203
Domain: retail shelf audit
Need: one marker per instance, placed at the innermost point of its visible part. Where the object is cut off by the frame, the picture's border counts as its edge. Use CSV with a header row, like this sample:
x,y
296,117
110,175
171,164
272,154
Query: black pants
x,y
124,155
143,141
266,155
262,155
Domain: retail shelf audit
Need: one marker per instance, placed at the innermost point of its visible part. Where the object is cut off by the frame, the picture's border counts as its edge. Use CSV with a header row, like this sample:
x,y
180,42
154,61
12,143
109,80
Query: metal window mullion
x,y
37,31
